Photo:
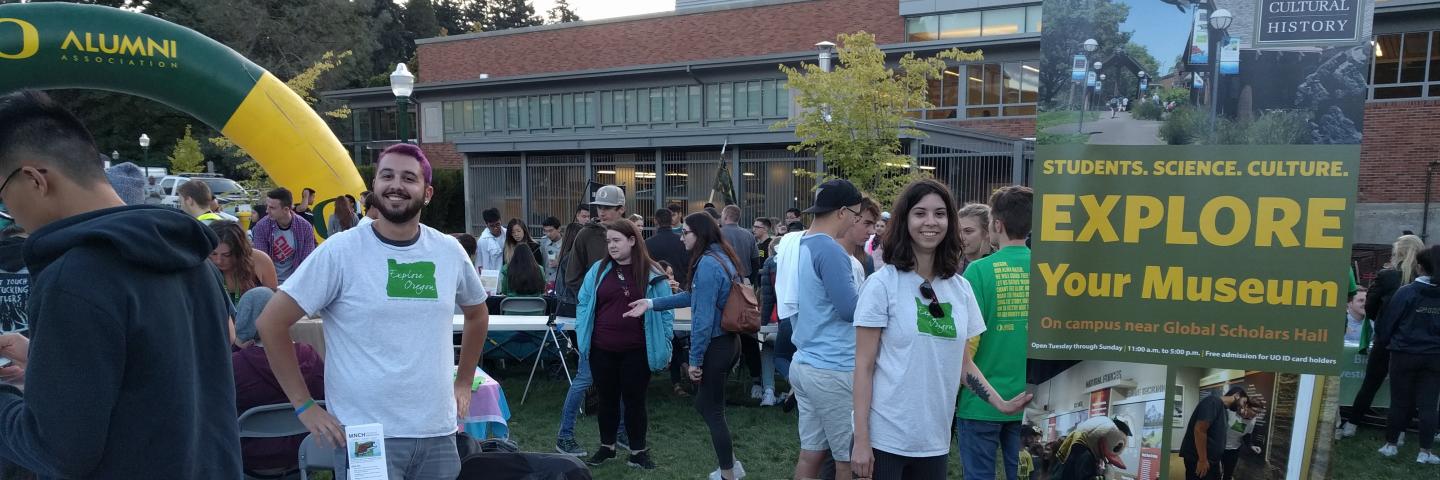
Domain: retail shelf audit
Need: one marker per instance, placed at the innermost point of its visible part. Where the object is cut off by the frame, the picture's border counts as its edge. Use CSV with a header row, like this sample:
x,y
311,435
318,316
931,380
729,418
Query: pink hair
x,y
414,151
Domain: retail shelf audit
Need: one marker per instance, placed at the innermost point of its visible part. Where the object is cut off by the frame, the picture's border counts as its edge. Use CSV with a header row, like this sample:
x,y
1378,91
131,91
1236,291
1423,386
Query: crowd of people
x,y
217,297
1398,318
895,329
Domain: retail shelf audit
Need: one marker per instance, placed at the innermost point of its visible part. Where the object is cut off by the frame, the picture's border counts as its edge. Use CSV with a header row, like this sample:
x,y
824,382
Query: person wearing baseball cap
x,y
823,366
589,247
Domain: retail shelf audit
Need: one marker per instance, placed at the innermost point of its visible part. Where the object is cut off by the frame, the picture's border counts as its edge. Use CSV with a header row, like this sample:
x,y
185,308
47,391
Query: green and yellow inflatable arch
x,y
63,45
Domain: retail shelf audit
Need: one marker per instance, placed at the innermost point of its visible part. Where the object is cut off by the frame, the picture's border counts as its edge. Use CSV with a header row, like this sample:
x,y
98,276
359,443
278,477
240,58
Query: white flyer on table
x,y
365,450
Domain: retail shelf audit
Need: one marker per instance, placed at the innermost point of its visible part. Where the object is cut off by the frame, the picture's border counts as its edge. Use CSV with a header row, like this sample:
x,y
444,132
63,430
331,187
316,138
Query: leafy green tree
x,y
421,19
1066,29
508,14
186,156
855,115
562,13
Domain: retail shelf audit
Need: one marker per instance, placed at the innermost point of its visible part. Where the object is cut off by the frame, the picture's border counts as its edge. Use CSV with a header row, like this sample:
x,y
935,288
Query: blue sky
x,y
1160,27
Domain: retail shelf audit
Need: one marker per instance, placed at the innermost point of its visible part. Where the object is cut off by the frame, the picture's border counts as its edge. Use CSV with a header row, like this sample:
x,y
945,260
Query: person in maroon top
x,y
255,386
621,351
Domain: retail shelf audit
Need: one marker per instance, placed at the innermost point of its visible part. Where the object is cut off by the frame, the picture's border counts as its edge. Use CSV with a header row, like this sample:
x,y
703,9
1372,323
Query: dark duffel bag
x,y
522,466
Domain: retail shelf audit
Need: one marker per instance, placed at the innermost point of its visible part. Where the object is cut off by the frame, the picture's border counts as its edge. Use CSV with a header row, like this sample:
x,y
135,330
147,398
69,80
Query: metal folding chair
x,y
537,306
271,421
313,455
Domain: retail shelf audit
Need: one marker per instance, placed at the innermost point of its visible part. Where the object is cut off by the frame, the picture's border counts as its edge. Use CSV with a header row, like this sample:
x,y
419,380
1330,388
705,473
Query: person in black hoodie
x,y
129,378
1410,327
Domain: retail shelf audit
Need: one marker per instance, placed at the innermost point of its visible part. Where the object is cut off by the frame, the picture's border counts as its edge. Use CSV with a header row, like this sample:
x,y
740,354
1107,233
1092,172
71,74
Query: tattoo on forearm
x,y
976,387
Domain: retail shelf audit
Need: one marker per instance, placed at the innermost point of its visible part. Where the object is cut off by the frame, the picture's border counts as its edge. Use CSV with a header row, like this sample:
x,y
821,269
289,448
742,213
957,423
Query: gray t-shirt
x,y
282,251
388,312
744,244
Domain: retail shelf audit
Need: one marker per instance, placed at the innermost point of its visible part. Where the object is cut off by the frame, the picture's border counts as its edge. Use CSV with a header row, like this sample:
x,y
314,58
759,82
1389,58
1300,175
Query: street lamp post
x,y
402,84
145,145
1220,23
1090,46
824,51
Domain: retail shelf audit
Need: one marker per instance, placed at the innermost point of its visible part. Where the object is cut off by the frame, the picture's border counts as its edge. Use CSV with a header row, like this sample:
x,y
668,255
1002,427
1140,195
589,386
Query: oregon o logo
x,y
29,39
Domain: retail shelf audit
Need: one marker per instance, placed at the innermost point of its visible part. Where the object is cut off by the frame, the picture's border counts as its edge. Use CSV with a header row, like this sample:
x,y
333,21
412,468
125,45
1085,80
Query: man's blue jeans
x,y
978,440
575,398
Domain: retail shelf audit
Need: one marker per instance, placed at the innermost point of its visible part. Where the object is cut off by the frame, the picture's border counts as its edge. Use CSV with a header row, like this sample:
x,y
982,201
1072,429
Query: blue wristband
x,y
304,406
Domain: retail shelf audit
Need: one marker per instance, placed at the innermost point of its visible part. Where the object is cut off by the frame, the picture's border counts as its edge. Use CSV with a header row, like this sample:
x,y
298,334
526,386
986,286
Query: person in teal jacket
x,y
622,350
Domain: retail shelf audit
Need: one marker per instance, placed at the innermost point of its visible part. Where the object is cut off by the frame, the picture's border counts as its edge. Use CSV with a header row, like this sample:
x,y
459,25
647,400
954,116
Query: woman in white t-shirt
x,y
912,326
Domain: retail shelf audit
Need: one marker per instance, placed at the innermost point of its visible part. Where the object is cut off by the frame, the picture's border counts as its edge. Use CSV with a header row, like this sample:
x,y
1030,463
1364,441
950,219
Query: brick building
x,y
648,101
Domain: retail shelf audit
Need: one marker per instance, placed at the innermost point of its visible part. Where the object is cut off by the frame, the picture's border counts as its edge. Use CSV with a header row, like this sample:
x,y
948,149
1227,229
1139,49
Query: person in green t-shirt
x,y
1002,286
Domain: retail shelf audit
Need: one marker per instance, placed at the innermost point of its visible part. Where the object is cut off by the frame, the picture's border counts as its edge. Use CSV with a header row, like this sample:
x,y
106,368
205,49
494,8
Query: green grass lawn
x,y
766,440
1357,457
1059,117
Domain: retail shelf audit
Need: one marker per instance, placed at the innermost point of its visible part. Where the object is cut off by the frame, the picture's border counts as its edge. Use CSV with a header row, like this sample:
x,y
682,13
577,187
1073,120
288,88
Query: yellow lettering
x,y
1209,221
1161,286
1052,276
1225,290
1320,221
1319,294
114,45
132,46
29,39
1252,291
1098,218
1282,228
1175,233
1052,217
1142,212
90,43
157,48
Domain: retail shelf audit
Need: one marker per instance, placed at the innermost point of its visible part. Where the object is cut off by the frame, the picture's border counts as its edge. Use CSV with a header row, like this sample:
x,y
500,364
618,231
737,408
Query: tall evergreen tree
x,y
562,13
507,14
420,19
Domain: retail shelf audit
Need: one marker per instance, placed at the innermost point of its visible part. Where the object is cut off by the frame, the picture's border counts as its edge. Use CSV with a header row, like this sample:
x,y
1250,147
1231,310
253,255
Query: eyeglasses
x,y
929,293
852,212
686,232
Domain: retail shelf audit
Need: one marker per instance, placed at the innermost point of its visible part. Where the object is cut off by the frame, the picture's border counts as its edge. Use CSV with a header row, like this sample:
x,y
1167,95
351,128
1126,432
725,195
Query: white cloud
x,y
598,9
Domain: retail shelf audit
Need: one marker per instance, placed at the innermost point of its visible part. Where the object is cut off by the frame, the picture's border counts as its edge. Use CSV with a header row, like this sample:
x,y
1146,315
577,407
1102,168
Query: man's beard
x,y
406,213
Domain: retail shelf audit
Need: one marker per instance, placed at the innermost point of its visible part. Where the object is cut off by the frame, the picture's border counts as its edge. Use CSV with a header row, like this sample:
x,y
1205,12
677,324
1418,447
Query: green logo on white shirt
x,y
411,280
927,324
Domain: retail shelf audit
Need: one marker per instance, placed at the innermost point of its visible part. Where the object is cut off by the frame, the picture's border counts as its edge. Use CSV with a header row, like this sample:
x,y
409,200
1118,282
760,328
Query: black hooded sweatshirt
x,y
129,370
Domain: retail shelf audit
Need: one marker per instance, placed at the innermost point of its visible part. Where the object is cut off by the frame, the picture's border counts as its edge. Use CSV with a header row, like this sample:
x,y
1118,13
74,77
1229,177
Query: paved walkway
x,y
1121,130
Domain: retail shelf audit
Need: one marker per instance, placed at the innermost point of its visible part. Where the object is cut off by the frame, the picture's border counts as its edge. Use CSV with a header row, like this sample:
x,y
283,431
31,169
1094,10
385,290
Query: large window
x,y
728,103
985,90
531,112
971,24
1407,65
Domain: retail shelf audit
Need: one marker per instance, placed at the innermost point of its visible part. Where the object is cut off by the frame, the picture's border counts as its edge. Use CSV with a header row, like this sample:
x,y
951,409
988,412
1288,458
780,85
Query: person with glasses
x,y
912,325
490,254
712,349
126,377
1000,351
822,368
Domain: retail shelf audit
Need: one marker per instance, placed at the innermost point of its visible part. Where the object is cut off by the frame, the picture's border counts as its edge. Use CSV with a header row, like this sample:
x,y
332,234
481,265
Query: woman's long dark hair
x,y
707,233
640,262
899,247
242,276
522,274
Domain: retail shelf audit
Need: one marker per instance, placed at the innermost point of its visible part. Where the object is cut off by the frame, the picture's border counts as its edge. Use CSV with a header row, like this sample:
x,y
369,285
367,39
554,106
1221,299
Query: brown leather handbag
x,y
742,309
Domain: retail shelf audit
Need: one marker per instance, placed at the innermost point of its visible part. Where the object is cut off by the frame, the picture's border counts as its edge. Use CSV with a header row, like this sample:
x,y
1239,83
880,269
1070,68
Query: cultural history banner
x,y
1192,221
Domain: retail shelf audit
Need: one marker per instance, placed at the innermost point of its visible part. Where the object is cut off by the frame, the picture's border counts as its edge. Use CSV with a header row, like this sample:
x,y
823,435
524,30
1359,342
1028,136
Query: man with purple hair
x,y
388,292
